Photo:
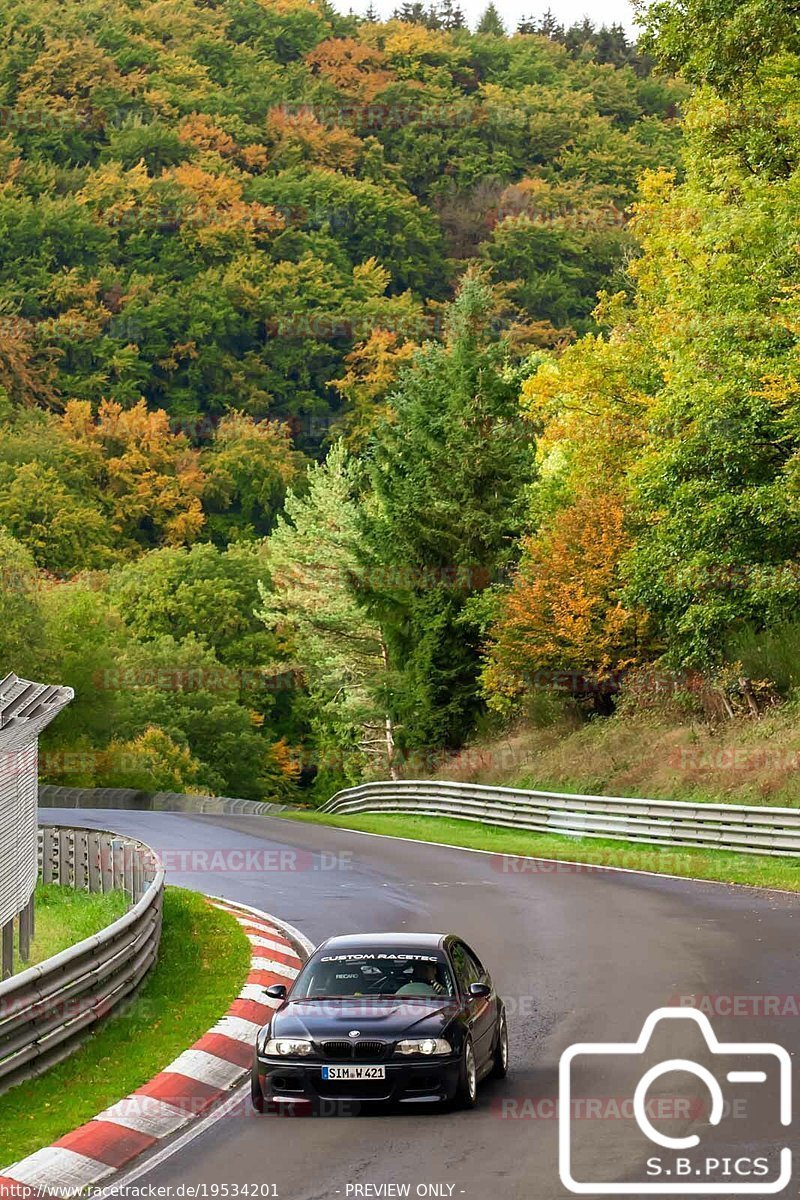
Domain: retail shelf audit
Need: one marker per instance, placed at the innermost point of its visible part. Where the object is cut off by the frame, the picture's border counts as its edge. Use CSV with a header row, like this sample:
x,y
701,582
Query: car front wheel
x,y
256,1094
467,1092
500,1064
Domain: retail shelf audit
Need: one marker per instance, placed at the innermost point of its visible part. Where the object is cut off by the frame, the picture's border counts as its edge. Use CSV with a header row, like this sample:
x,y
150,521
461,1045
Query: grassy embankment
x,y
203,962
64,917
752,869
739,762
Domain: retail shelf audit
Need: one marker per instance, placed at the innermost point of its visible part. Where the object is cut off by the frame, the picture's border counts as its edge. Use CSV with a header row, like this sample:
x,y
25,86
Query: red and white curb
x,y
184,1090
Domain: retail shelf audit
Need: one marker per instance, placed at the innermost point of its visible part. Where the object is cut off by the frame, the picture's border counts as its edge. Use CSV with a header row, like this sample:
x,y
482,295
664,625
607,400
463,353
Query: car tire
x,y
467,1091
500,1062
256,1094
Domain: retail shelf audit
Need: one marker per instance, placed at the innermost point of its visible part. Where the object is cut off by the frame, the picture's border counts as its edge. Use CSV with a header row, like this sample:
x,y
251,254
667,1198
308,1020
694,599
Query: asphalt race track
x,y
579,955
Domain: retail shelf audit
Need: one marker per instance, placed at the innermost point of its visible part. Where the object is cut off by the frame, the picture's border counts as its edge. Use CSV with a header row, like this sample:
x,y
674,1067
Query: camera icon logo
x,y
675,1161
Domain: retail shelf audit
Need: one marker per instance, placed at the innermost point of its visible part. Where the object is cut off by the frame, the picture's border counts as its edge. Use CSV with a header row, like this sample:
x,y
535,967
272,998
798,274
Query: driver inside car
x,y
424,981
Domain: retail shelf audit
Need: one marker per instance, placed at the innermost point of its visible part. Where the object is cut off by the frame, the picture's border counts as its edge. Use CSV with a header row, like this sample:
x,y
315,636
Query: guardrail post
x,y
8,950
118,863
95,863
128,858
138,874
81,859
106,865
25,922
48,854
65,857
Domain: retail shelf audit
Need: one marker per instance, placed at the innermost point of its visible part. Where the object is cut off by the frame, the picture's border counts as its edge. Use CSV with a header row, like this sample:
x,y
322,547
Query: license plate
x,y
353,1073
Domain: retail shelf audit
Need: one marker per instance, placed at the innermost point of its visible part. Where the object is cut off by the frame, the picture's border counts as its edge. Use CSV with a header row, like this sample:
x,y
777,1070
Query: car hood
x,y
390,1018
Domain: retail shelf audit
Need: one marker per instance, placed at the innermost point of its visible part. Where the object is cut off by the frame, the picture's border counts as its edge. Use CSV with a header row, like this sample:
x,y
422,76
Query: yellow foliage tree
x,y
564,623
353,67
153,482
201,131
300,137
373,367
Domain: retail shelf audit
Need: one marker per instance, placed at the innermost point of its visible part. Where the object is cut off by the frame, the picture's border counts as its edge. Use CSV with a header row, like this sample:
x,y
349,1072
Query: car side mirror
x,y
480,990
276,991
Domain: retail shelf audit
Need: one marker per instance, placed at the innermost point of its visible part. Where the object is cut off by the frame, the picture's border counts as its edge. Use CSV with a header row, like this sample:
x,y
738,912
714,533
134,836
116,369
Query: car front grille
x,y
367,1049
361,1050
337,1049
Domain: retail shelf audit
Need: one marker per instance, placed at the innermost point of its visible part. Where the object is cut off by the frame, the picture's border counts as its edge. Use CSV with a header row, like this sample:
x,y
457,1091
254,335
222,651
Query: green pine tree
x,y
491,22
310,601
447,476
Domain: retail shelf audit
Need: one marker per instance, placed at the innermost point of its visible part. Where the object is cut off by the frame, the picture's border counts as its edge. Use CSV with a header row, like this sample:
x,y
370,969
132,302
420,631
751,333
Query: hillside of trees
x,y
684,407
361,382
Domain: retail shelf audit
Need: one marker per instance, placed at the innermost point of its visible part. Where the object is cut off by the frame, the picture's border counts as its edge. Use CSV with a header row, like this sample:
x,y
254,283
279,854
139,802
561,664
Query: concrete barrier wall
x,y
51,796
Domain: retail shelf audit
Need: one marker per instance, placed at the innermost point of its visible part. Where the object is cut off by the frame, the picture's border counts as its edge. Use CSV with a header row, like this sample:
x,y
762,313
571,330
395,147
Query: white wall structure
x,y
25,709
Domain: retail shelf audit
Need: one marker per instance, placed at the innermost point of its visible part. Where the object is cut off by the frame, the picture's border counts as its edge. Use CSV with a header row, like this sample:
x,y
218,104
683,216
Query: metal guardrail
x,y
48,1009
740,827
54,796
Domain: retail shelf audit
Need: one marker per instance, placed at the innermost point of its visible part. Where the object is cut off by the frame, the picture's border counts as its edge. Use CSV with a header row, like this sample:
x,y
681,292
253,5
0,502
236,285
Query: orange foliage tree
x,y
300,137
373,368
151,480
25,377
351,66
565,612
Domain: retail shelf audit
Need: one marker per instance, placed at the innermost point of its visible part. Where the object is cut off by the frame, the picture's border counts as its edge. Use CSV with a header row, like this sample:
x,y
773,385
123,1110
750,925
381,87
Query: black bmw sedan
x,y
382,1018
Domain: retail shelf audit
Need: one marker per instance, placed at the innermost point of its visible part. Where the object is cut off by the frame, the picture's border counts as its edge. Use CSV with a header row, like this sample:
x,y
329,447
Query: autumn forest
x,y
367,385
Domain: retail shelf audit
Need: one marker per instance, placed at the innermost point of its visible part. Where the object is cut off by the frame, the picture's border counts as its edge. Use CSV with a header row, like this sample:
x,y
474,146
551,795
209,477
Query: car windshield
x,y
375,972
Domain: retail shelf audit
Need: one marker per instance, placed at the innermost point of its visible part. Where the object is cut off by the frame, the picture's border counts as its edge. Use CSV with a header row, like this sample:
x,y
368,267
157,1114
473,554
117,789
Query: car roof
x,y
399,941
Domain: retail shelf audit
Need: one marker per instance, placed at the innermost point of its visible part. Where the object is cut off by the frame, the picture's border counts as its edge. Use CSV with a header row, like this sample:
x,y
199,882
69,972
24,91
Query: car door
x,y
481,1010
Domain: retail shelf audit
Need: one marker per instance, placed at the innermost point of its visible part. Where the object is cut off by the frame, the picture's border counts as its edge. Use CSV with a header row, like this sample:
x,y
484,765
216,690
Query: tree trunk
x,y
388,723
746,688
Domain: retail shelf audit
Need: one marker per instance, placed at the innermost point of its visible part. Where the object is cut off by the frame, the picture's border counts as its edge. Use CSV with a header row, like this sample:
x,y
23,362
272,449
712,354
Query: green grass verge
x,y
754,870
64,917
203,962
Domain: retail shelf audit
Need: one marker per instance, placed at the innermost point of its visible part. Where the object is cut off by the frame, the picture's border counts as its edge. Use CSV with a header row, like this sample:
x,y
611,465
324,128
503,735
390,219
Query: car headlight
x,y
426,1046
287,1047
